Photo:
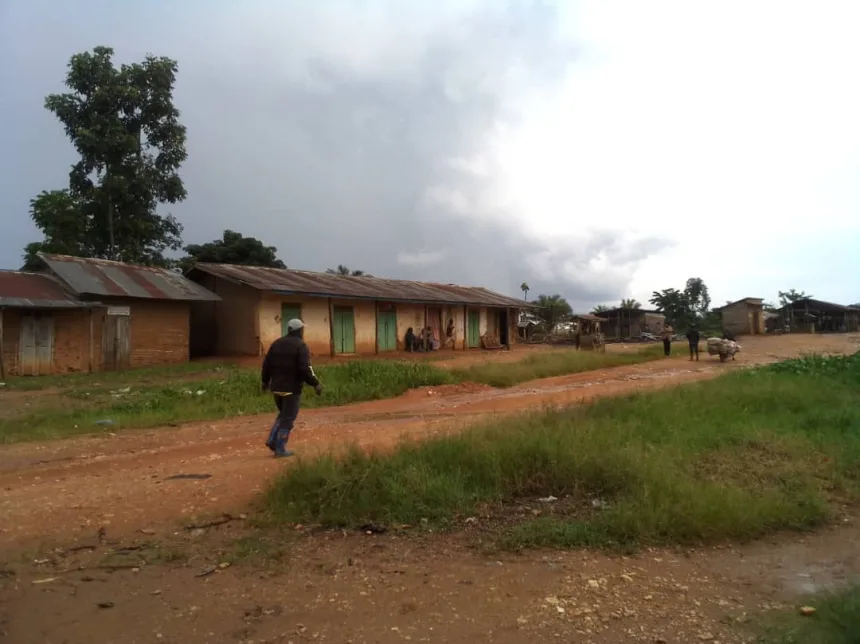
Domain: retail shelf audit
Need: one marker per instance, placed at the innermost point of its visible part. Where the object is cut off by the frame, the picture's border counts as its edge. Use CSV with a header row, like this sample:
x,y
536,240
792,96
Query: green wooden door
x,y
474,329
344,330
289,312
386,330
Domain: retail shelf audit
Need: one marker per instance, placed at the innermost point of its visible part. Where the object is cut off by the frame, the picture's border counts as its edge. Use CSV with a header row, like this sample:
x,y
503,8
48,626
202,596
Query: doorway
x,y
386,329
474,339
504,328
343,325
116,339
289,312
36,349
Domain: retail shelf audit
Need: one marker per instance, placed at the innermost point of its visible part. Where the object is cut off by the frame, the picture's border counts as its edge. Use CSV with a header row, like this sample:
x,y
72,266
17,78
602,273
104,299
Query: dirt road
x,y
64,488
360,588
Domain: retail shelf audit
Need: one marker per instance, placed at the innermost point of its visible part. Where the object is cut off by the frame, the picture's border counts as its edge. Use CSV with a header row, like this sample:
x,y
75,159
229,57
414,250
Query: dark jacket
x,y
287,366
693,336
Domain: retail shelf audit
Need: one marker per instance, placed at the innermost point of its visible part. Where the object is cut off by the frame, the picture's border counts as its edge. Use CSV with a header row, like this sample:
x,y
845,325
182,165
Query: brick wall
x,y
160,331
71,340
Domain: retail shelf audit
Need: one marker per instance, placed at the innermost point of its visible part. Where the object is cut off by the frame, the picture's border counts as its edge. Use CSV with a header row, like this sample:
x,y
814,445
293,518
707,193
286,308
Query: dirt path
x,y
65,488
362,588
387,589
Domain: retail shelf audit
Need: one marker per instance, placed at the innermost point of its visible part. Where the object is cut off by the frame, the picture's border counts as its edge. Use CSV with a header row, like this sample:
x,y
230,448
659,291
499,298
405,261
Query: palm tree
x,y
524,287
552,309
344,271
600,308
630,303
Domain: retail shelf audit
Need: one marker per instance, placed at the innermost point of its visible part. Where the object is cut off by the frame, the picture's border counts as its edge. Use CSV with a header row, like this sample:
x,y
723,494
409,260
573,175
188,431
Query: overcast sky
x,y
596,149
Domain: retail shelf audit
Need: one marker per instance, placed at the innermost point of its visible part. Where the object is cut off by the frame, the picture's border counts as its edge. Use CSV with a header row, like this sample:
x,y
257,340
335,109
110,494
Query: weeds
x,y
554,363
836,621
737,457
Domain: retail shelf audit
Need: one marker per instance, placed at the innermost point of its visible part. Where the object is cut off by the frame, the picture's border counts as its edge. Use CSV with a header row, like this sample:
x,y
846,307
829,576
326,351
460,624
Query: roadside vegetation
x,y
83,403
748,453
836,621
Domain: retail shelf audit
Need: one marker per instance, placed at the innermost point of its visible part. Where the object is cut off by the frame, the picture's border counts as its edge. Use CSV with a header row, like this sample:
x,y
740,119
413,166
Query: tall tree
x,y
600,308
524,287
552,309
682,308
789,296
232,248
630,303
126,131
346,272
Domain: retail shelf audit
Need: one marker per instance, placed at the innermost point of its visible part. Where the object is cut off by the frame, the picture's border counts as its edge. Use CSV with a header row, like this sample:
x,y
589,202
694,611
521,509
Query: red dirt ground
x,y
366,589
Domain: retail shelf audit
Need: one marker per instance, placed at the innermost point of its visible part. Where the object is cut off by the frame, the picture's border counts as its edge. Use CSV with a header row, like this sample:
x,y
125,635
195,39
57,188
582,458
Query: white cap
x,y
295,324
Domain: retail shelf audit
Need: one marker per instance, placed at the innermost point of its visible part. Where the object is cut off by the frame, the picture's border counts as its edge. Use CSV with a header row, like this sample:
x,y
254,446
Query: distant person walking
x,y
286,368
450,336
667,339
693,339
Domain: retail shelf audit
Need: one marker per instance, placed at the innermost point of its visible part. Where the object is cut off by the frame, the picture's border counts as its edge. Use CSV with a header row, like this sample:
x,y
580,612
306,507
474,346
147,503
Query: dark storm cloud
x,y
329,153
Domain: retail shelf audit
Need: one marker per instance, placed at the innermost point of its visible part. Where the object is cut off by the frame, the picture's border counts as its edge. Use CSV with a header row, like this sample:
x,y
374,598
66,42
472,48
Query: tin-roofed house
x,y
44,328
343,315
137,316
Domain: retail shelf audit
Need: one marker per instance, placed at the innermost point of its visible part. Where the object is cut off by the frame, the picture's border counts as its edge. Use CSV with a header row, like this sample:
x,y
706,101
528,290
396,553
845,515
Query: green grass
x,y
552,363
737,457
117,379
154,397
836,621
236,393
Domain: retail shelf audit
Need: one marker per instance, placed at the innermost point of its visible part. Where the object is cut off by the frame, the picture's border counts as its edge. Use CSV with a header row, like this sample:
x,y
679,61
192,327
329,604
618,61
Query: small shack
x,y
744,317
625,323
44,328
83,314
816,316
588,331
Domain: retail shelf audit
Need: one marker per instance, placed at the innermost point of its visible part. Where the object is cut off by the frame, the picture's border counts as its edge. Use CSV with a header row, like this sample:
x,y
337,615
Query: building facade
x,y
628,323
94,315
343,315
744,317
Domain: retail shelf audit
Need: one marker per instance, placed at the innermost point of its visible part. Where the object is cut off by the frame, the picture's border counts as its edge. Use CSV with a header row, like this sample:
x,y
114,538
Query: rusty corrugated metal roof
x,y
289,281
34,290
105,278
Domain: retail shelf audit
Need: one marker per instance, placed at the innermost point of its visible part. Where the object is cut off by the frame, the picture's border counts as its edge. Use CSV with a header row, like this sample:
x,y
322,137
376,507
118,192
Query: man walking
x,y
286,368
693,339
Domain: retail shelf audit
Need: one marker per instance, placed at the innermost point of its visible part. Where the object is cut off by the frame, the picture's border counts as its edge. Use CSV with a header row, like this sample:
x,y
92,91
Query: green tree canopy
x,y
789,296
346,272
232,248
630,303
686,307
600,308
130,143
553,309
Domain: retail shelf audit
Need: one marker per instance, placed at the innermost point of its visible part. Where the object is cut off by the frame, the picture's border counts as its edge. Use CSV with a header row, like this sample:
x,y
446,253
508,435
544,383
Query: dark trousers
x,y
667,346
288,411
694,350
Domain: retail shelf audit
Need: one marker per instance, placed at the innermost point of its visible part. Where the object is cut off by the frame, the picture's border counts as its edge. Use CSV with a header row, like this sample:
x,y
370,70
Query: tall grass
x,y
551,364
748,453
836,621
232,391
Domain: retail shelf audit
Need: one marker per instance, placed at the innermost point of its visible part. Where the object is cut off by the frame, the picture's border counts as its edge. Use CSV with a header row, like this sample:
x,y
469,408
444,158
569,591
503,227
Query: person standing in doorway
x,y
667,339
693,339
286,369
450,337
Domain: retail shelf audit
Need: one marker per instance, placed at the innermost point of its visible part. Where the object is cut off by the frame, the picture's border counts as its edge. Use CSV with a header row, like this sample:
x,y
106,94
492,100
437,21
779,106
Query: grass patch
x,y
748,453
235,393
551,364
836,621
115,379
153,397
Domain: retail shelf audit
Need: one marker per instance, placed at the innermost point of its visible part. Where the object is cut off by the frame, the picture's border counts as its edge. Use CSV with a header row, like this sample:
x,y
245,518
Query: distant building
x,y
626,323
817,316
744,317
344,315
93,315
